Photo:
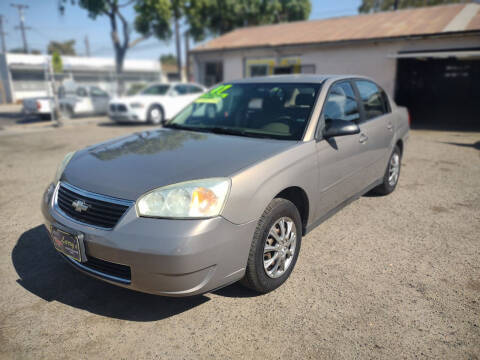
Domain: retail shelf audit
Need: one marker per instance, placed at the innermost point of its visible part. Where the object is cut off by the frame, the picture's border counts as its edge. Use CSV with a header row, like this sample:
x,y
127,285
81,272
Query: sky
x,y
47,24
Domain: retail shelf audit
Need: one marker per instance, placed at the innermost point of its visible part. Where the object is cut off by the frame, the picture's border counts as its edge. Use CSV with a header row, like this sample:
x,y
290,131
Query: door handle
x,y
363,138
389,126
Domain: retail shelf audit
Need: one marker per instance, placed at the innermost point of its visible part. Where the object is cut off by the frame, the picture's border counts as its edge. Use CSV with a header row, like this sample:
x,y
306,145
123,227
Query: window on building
x,y
213,73
258,70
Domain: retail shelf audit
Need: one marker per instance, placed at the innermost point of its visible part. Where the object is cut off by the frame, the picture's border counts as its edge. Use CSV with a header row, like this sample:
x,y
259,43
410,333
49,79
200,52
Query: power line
x,y
22,27
2,35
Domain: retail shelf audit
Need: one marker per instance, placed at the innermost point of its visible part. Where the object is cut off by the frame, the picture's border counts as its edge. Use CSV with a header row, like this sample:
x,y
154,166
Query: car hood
x,y
130,166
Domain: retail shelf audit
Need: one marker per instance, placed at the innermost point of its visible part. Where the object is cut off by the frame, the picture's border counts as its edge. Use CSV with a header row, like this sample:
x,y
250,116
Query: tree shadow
x,y
44,273
475,145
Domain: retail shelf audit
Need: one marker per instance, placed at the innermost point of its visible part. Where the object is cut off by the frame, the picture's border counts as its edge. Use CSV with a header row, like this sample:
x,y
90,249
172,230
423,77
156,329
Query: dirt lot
x,y
387,277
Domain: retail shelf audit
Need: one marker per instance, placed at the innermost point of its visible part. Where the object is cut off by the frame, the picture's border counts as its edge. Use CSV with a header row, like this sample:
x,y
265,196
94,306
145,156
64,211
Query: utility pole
x,y
22,26
2,35
87,47
179,50
187,55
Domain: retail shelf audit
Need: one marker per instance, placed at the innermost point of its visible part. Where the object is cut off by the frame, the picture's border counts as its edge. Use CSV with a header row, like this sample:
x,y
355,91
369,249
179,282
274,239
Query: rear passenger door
x,y
341,169
377,128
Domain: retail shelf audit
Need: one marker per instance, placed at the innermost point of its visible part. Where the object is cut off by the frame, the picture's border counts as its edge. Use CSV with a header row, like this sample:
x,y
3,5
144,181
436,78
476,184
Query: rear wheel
x,y
155,115
392,173
275,247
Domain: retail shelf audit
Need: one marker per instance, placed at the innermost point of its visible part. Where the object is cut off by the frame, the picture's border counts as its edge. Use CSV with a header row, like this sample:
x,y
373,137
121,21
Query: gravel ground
x,y
387,277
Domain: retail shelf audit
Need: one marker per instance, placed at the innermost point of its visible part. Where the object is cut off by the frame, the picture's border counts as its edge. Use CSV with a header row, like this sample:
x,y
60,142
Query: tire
x,y
66,112
390,183
260,275
155,115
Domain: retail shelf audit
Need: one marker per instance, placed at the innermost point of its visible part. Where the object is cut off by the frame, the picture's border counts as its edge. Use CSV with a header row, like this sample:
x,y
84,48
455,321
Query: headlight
x,y
136,105
190,199
62,166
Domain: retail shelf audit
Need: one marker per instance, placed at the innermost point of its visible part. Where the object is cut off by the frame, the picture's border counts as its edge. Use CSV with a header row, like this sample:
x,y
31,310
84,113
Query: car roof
x,y
294,78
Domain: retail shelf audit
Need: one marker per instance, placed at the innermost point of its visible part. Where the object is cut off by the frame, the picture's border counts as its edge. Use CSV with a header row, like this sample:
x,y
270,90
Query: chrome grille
x,y
118,108
97,210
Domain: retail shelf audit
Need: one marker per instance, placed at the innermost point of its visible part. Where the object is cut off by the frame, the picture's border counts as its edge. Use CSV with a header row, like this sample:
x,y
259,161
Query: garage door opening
x,y
440,93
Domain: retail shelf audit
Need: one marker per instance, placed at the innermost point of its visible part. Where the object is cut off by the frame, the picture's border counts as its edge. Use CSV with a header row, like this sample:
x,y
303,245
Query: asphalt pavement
x,y
387,277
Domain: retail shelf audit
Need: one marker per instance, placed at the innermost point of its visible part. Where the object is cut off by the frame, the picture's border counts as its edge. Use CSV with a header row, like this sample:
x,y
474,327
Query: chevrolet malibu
x,y
226,190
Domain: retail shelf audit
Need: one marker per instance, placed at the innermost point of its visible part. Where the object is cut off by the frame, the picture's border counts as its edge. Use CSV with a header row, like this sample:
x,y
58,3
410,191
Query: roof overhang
x,y
437,54
345,42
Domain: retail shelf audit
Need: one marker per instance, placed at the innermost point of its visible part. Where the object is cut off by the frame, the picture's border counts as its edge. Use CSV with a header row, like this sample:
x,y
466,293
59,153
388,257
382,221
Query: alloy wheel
x,y
394,169
279,247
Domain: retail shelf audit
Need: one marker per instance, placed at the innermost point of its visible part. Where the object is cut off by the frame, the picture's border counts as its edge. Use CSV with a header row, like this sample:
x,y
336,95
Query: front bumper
x,y
165,257
130,115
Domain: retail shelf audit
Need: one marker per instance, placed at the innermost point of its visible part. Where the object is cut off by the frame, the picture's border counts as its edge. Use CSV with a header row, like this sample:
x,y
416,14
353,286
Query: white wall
x,y
368,59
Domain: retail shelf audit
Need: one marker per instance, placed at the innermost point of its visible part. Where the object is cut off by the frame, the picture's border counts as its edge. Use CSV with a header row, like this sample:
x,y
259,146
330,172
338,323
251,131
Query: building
x,y
23,75
426,56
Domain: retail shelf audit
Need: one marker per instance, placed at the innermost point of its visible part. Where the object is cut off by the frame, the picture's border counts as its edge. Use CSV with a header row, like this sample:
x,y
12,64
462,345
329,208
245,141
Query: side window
x,y
386,102
341,103
82,92
95,91
372,99
181,89
192,89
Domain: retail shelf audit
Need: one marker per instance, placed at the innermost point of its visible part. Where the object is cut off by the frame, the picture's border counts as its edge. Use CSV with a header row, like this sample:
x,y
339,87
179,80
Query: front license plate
x,y
66,243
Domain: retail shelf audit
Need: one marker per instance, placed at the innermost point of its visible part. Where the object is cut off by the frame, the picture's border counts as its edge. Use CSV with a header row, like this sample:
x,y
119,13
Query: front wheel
x,y
275,247
155,115
392,173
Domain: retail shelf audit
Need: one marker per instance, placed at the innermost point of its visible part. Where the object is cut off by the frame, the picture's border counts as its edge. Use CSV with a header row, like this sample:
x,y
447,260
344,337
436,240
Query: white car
x,y
154,104
39,106
75,100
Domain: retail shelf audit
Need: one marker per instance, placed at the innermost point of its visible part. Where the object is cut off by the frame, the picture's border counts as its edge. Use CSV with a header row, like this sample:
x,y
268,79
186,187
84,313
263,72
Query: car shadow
x,y
236,290
44,273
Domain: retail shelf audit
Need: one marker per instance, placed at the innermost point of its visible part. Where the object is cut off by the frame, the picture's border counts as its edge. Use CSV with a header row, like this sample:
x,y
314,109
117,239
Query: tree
x,y
213,17
169,59
63,48
120,35
369,6
155,17
216,17
57,63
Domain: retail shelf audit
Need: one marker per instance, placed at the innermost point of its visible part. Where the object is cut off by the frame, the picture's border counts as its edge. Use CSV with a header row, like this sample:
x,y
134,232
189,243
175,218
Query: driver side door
x,y
339,158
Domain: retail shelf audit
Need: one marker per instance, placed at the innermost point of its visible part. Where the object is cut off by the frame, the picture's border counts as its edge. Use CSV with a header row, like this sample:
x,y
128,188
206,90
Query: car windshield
x,y
269,110
155,90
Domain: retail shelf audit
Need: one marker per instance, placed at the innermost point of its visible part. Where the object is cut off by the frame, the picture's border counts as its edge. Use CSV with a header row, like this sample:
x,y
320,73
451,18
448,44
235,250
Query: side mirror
x,y
340,128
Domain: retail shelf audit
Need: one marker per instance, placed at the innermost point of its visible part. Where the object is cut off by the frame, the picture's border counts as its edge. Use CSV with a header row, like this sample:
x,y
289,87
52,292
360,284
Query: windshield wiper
x,y
183,127
226,131
238,132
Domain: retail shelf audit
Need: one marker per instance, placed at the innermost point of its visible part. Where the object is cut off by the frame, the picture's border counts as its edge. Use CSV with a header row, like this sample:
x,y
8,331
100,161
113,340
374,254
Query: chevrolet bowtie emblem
x,y
80,205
